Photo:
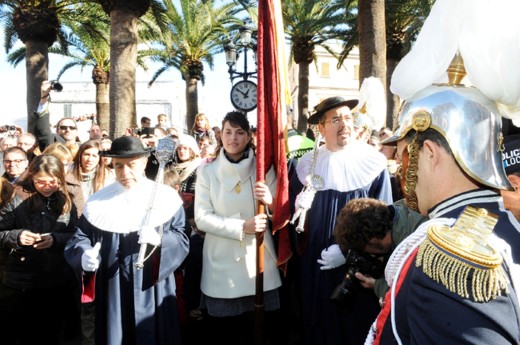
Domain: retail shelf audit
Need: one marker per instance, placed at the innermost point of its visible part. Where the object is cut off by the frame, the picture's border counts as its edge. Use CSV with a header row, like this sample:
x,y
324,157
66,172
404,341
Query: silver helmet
x,y
470,123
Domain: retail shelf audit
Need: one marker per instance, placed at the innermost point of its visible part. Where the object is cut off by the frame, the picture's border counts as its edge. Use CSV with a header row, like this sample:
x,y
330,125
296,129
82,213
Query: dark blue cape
x,y
133,307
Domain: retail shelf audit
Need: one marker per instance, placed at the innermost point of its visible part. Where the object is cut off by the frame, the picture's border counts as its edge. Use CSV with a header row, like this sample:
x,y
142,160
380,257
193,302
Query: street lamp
x,y
243,92
232,51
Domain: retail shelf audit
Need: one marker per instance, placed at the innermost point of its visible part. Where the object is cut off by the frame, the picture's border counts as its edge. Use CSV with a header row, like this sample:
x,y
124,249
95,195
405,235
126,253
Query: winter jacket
x,y
25,267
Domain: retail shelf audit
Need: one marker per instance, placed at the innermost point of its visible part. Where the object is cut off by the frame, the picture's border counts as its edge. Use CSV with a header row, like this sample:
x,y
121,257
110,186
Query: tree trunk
x,y
393,102
303,96
101,79
123,61
103,106
192,102
372,40
36,69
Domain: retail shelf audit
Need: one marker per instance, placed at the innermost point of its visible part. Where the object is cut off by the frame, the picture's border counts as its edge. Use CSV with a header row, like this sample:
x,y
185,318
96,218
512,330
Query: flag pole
x,y
259,284
270,151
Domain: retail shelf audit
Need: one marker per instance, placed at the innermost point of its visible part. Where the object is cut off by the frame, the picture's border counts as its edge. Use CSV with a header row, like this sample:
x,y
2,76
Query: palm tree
x,y
196,31
403,21
37,24
310,23
124,16
92,48
372,40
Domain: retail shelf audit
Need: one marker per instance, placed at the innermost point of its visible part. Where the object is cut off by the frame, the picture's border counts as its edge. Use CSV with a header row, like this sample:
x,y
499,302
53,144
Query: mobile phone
x,y
44,236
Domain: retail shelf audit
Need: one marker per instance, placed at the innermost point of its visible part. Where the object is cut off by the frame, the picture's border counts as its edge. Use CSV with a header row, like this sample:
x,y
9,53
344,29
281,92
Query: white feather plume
x,y
487,35
373,100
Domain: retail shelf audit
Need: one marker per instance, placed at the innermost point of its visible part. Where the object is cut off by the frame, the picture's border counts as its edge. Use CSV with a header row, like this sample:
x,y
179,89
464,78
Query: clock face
x,y
243,95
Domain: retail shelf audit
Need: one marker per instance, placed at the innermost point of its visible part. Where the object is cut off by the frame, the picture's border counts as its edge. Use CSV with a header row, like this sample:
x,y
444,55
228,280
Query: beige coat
x,y
224,200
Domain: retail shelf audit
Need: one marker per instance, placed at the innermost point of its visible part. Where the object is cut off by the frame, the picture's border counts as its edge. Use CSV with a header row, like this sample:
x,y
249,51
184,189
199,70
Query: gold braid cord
x,y
411,175
461,258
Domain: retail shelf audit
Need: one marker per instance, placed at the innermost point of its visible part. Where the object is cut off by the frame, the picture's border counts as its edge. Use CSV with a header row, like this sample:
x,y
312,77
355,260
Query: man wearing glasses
x,y
341,169
66,128
15,163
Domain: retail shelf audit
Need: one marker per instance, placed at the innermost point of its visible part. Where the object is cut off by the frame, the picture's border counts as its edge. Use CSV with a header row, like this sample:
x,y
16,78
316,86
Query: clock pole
x,y
243,92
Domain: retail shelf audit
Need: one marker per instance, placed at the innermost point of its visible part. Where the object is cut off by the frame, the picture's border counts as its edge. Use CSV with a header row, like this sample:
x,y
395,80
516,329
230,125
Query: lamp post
x,y
243,92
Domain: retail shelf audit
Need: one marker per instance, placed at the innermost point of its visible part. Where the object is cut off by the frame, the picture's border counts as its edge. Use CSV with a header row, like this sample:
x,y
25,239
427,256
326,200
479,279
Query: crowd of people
x,y
410,236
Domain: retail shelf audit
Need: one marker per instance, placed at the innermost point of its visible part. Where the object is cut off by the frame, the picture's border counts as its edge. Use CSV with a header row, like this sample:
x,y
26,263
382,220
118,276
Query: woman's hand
x,y
256,224
262,193
40,241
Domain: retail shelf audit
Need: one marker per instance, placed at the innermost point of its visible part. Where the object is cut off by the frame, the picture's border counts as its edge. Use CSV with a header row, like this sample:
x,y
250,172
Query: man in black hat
x,y
334,173
135,299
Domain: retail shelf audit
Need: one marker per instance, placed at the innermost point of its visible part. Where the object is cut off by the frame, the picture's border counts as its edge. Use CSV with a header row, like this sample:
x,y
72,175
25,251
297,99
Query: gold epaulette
x,y
462,259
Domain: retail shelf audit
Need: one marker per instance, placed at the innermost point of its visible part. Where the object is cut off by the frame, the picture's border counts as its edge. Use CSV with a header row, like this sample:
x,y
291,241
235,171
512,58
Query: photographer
x,y
370,226
66,128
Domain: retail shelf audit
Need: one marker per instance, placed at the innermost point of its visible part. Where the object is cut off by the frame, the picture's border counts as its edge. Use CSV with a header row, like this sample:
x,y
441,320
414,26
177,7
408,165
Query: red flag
x,y
271,112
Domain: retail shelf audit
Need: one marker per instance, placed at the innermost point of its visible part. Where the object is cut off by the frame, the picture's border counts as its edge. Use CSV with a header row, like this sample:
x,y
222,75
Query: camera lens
x,y
56,86
344,292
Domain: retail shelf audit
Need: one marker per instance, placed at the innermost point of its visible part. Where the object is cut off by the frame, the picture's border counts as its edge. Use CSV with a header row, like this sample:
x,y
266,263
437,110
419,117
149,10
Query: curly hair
x,y
361,220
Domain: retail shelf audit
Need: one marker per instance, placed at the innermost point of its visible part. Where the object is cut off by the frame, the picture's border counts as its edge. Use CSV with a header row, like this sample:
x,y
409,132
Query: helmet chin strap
x,y
409,165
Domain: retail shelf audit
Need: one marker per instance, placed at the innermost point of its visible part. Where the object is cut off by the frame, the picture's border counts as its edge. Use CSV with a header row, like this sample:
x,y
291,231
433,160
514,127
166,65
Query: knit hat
x,y
189,141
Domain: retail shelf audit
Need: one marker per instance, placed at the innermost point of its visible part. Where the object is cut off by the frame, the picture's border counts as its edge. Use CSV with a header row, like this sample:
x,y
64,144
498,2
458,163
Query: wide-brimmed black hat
x,y
328,104
127,147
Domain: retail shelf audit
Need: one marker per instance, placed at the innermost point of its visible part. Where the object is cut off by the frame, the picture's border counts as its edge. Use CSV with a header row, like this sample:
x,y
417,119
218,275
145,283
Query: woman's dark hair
x,y
51,165
361,220
99,177
237,119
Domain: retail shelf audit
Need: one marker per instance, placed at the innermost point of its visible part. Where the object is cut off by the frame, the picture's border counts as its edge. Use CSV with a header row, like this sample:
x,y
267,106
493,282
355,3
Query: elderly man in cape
x,y
135,304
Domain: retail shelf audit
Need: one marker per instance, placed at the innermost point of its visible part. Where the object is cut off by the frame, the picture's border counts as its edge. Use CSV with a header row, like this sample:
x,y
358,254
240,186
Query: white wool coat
x,y
221,208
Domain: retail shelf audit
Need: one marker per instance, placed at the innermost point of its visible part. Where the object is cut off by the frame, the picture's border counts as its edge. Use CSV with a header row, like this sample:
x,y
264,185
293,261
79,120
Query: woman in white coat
x,y
225,209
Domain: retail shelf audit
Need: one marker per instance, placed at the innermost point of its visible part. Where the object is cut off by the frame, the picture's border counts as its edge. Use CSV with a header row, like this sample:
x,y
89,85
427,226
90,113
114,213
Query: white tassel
x,y
372,98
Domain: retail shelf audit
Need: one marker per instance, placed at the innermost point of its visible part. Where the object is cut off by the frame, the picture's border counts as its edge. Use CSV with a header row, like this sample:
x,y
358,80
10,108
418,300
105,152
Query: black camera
x,y
10,128
356,262
148,131
56,86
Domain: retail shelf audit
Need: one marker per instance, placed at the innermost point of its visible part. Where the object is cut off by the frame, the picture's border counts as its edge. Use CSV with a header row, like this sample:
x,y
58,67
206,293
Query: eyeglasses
x,y
337,119
70,128
14,161
51,184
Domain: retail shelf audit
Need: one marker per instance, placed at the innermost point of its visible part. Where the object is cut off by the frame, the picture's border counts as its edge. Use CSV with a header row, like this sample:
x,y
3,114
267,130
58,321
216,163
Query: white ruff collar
x,y
354,167
120,210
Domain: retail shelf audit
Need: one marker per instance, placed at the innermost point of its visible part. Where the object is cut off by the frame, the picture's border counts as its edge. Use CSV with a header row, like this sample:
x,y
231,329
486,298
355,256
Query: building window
x,y
325,70
67,110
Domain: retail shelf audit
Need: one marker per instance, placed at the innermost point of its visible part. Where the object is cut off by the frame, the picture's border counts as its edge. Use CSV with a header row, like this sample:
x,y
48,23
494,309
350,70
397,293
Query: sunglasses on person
x,y
70,128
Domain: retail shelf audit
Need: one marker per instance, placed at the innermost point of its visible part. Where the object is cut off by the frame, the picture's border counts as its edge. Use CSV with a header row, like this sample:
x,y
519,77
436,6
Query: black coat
x,y
25,267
